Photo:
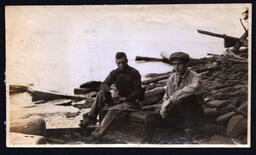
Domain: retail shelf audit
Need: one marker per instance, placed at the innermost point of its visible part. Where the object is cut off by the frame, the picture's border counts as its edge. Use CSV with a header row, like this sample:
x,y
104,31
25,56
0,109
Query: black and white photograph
x,y
162,75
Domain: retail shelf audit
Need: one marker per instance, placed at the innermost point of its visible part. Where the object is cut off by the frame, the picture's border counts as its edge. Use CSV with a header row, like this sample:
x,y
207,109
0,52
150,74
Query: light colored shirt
x,y
180,86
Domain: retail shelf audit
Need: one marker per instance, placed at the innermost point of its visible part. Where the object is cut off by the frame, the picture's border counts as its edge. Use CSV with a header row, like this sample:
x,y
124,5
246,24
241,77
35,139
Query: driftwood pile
x,y
226,96
224,90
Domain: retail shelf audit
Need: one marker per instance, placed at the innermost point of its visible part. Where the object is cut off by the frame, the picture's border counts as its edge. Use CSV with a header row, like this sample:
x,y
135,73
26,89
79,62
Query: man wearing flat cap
x,y
180,100
180,106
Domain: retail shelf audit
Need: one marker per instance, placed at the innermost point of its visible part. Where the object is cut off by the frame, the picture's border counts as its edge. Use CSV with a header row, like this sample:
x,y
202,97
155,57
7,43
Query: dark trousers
x,y
187,113
106,117
102,99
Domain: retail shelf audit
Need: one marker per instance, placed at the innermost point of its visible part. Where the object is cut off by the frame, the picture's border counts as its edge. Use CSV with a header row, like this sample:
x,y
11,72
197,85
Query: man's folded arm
x,y
188,90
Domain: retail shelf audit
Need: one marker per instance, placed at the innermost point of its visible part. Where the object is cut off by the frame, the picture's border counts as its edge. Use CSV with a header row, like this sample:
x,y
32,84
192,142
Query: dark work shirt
x,y
128,82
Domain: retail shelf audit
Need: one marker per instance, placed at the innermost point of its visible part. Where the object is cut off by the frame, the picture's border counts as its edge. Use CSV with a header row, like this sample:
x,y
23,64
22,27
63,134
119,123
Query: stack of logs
x,y
224,90
226,96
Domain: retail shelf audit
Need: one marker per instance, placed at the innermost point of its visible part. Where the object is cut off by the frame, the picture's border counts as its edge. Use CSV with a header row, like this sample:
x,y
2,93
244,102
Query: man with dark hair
x,y
127,81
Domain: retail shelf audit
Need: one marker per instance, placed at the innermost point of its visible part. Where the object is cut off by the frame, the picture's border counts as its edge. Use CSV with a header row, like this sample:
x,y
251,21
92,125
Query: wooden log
x,y
145,82
229,52
151,107
154,75
84,90
66,135
192,62
142,58
33,125
211,54
237,110
48,96
14,89
241,42
91,84
153,96
59,102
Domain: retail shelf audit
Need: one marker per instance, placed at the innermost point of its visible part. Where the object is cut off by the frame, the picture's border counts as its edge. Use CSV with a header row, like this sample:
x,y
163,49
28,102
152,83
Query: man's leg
x,y
107,120
150,122
192,110
90,117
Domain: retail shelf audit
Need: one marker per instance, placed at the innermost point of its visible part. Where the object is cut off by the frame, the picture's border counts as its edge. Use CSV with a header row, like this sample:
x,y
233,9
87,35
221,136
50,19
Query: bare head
x,y
179,60
121,61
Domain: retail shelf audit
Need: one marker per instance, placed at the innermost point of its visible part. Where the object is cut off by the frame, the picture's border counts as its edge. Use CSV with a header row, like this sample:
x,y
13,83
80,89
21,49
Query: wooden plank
x,y
47,95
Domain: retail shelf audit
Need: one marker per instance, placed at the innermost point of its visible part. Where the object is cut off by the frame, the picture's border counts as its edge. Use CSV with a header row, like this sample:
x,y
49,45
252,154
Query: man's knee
x,y
104,96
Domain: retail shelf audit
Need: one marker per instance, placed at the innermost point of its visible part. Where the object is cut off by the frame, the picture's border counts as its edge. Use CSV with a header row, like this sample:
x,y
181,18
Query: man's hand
x,y
164,108
122,99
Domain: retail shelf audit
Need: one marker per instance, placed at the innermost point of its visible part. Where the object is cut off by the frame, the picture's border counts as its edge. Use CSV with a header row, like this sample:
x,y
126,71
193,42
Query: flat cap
x,y
179,56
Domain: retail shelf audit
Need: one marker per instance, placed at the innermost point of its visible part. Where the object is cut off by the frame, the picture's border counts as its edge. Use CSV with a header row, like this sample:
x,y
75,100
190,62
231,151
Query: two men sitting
x,y
179,104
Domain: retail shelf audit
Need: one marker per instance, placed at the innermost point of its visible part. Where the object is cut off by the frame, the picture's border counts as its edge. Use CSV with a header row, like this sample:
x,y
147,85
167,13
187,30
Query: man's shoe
x,y
91,140
87,121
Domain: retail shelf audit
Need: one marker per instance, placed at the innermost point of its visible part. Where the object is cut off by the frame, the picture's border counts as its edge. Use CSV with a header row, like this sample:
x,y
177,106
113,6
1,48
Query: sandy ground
x,y
55,116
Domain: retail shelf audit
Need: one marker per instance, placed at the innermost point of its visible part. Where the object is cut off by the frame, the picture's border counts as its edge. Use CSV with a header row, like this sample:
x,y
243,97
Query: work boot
x,y
92,140
94,137
87,121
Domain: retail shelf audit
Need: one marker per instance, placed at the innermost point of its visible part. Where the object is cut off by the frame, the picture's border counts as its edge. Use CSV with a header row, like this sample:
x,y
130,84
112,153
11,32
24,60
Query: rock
x,y
217,103
244,107
244,91
69,114
210,129
243,139
237,126
224,110
217,139
224,118
210,112
222,96
19,139
239,100
33,125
